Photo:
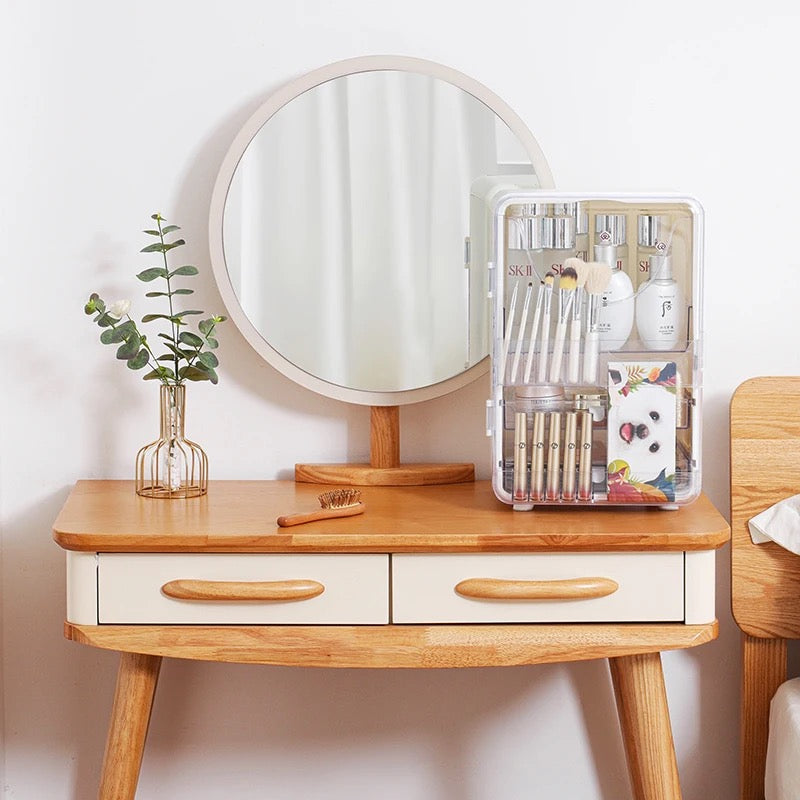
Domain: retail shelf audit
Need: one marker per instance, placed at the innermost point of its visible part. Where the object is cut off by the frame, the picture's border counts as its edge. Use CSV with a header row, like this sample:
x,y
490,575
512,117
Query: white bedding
x,y
782,778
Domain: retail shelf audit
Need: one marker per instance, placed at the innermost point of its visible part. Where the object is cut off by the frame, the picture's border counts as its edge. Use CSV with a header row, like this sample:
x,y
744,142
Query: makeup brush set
x,y
594,340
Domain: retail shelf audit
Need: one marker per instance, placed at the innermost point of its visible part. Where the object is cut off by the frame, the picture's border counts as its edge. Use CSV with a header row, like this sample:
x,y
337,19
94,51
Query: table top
x,y
240,517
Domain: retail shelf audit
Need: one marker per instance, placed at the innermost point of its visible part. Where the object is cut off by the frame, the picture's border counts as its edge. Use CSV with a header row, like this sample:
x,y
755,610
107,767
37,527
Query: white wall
x,y
112,111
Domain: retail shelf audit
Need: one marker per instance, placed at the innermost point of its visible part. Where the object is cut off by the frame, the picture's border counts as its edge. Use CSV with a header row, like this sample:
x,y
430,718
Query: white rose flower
x,y
119,309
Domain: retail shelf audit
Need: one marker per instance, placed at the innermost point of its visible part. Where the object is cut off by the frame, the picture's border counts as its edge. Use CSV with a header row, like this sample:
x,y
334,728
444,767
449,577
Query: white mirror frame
x,y
276,101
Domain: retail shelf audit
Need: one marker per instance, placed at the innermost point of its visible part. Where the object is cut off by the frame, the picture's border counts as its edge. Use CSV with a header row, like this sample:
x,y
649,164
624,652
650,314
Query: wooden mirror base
x,y
384,468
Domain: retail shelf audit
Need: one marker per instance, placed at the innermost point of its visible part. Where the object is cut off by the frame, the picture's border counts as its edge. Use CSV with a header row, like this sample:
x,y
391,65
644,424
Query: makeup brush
x,y
566,297
537,315
598,277
523,321
336,503
575,325
512,309
548,296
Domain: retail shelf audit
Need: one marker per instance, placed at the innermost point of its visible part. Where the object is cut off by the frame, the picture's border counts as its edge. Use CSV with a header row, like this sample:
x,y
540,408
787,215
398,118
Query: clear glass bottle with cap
x,y
581,216
652,232
660,311
558,240
615,317
524,246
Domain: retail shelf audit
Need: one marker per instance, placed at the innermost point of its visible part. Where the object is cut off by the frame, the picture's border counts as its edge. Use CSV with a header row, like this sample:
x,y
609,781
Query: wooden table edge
x,y
395,646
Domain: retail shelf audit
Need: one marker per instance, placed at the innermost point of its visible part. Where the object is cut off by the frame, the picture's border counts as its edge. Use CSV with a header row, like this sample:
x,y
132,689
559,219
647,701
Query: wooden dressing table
x,y
437,576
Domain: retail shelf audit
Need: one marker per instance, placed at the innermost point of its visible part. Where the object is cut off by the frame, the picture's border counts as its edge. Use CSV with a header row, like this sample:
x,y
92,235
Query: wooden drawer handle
x,y
567,589
242,590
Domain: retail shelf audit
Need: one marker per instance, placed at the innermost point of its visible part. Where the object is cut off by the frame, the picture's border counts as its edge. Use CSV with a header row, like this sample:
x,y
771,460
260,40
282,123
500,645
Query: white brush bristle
x,y
581,269
598,276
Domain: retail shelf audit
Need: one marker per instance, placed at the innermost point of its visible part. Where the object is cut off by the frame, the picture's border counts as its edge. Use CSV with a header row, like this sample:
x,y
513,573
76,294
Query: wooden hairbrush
x,y
336,503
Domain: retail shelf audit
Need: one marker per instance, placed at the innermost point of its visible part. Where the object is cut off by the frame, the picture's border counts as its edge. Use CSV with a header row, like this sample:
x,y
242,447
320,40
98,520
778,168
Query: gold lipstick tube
x,y
554,457
537,456
585,457
570,454
520,456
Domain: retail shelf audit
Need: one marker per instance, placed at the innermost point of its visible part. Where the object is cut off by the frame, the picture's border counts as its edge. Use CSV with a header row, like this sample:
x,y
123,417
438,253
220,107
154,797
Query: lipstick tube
x,y
554,457
537,456
520,456
570,455
585,457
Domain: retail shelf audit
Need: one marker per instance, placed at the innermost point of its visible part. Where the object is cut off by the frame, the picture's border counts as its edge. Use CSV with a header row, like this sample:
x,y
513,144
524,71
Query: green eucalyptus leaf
x,y
170,228
129,326
187,313
156,247
153,375
127,350
191,373
153,233
212,343
173,245
152,273
190,339
205,326
208,360
212,375
105,320
118,334
166,357
187,269
139,360
151,317
169,294
156,216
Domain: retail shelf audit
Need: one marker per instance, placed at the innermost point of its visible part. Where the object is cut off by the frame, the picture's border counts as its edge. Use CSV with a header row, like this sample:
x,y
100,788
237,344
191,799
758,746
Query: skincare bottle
x,y
610,229
659,306
652,232
558,239
581,216
615,317
523,246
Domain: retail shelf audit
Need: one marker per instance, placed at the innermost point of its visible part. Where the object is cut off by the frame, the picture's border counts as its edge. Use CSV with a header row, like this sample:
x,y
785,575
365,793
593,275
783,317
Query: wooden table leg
x,y
763,671
646,730
127,732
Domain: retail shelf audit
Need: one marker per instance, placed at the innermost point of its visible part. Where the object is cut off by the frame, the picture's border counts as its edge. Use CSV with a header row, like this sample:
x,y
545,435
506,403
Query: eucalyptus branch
x,y
181,345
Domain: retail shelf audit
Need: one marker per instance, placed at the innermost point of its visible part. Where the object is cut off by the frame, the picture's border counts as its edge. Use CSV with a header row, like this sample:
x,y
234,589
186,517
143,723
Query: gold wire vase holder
x,y
172,467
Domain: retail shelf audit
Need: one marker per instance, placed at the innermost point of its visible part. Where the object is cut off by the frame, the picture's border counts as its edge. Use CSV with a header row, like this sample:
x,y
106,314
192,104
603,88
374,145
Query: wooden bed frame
x,y
765,578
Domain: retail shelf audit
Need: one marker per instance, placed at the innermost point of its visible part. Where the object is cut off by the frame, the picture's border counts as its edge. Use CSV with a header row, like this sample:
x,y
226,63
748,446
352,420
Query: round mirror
x,y
339,223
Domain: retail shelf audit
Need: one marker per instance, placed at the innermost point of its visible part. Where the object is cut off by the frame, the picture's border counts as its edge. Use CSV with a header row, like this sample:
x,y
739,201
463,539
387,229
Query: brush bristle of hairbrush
x,y
336,503
340,498
598,276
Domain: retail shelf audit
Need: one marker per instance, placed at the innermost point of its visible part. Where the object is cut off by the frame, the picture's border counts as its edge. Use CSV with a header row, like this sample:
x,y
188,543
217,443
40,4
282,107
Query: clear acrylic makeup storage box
x,y
594,335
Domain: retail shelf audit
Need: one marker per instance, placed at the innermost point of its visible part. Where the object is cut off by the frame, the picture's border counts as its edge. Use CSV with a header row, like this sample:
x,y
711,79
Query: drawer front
x,y
237,589
550,587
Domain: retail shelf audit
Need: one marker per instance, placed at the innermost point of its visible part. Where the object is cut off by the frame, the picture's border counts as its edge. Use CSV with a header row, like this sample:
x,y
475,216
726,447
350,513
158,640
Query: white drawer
x,y
255,589
618,587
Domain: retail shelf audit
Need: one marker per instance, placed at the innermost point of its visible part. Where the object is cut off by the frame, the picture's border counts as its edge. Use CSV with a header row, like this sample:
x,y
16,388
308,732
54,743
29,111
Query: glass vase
x,y
172,466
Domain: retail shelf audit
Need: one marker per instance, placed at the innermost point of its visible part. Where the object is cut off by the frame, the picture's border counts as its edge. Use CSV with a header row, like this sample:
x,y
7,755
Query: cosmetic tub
x,y
574,420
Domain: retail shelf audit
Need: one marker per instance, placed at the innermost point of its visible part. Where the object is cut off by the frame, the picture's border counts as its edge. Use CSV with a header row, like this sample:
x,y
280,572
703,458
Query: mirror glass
x,y
344,227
